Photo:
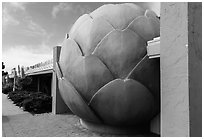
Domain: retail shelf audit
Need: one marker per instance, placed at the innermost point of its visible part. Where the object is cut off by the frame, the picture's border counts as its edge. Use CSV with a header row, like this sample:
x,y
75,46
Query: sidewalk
x,y
8,108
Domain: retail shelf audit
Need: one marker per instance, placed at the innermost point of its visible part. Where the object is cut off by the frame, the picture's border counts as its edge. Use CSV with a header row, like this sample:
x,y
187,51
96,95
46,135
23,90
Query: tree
x,y
19,70
4,73
3,66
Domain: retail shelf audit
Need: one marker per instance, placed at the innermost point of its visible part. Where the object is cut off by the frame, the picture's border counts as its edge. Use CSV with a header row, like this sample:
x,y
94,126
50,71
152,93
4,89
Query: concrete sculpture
x,y
104,74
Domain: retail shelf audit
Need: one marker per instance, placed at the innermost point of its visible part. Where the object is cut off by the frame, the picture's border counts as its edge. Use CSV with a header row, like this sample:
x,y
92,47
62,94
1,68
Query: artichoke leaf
x,y
120,51
123,102
74,100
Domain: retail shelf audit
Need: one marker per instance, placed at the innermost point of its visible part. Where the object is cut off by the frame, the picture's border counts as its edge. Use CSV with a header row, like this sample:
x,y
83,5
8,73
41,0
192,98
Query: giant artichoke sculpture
x,y
105,75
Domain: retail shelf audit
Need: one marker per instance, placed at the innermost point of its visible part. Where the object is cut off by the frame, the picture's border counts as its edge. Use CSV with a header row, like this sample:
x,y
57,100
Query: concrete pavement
x,y
8,108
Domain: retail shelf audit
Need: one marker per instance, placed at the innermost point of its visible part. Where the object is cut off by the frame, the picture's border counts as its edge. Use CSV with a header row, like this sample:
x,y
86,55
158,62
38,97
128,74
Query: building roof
x,y
40,68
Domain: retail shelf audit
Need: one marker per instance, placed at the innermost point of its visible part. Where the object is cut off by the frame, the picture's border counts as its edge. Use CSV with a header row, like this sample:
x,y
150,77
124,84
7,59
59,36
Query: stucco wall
x,y
181,69
174,70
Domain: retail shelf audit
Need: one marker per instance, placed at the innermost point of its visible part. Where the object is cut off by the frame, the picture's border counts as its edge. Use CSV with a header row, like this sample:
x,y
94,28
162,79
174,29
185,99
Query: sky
x,y
30,30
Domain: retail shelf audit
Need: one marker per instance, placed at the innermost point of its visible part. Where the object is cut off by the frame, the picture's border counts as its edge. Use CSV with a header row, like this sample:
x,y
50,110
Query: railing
x,y
42,66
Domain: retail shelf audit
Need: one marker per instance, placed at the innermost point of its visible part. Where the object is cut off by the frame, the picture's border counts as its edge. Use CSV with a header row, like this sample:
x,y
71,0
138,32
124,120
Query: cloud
x,y
42,48
83,9
18,5
31,28
7,10
68,7
26,28
34,29
61,7
7,19
20,55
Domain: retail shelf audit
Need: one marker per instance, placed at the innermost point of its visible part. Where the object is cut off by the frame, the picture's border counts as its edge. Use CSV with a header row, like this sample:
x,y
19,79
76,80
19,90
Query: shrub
x,y
18,96
23,83
38,105
8,87
34,102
